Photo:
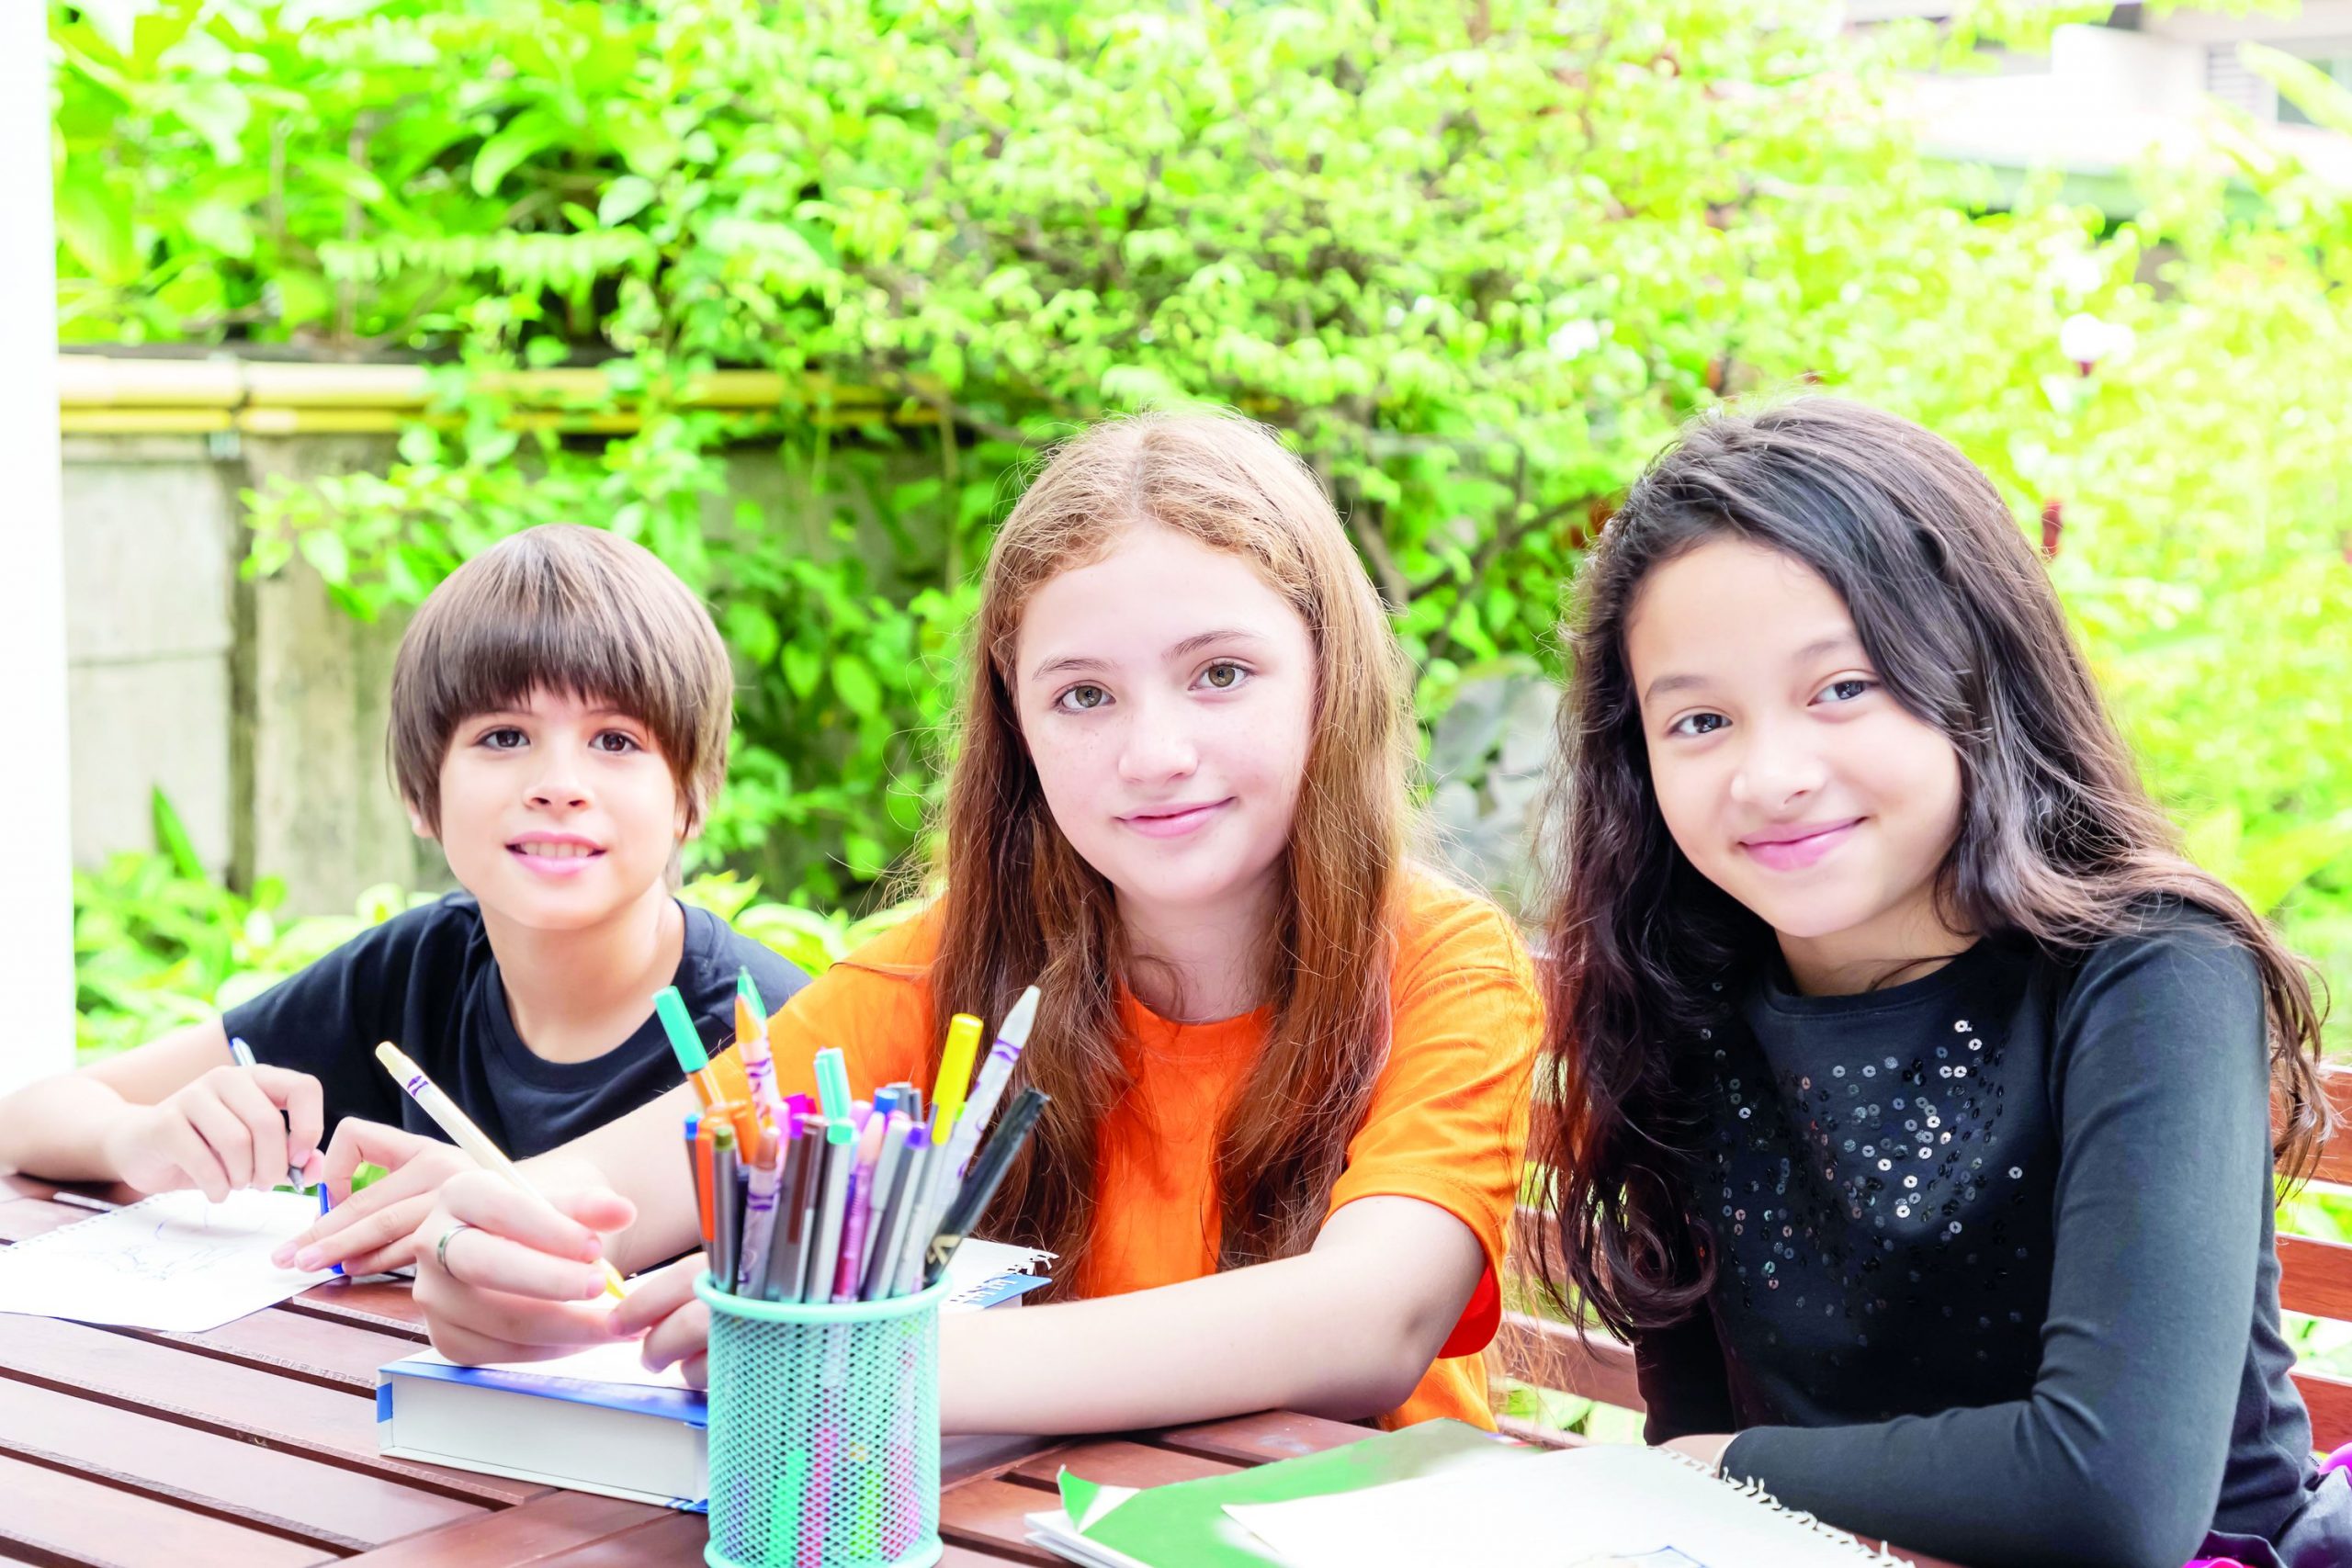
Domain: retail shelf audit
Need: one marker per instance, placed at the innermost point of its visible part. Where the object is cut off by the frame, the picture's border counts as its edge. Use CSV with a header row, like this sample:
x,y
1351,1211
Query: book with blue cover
x,y
597,1420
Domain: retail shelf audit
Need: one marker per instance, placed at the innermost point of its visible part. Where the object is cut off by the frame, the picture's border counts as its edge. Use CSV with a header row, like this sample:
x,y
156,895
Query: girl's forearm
x,y
642,1157
1302,1333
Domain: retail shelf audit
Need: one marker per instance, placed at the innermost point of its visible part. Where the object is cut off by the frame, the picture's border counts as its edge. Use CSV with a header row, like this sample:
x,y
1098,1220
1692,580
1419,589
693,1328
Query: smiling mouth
x,y
1181,819
1794,854
541,851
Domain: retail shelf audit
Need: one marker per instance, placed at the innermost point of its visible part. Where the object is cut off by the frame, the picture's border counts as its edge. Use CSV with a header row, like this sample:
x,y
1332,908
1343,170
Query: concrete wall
x,y
258,707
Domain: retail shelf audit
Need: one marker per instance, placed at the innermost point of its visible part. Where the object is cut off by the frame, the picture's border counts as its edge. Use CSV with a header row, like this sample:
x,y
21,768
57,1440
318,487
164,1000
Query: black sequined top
x,y
1996,1273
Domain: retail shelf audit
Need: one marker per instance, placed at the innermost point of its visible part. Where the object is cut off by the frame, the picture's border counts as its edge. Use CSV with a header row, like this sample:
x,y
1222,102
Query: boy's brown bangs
x,y
562,609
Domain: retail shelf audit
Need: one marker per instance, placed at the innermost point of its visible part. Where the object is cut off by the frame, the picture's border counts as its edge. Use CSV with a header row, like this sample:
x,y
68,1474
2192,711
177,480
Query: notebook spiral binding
x,y
1753,1490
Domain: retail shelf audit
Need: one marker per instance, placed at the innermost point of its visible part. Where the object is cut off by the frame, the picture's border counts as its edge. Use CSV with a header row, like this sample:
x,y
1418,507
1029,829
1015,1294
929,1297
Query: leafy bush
x,y
1476,261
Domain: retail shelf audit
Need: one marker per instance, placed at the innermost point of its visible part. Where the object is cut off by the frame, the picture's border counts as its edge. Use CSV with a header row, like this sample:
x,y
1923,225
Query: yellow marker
x,y
445,1115
954,1072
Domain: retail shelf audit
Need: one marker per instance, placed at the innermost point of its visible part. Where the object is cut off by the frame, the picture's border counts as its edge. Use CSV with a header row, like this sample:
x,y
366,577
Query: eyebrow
x,y
1834,643
1075,664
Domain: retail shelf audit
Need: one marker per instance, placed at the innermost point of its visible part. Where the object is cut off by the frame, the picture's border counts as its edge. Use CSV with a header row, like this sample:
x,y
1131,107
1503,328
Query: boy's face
x,y
557,814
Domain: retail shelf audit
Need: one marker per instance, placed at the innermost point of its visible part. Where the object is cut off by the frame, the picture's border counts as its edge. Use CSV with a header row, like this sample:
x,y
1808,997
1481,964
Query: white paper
x,y
1577,1509
172,1262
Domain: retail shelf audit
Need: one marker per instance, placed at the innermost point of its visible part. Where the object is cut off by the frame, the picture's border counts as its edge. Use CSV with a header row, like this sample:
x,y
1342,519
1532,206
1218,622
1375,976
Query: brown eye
x,y
1224,677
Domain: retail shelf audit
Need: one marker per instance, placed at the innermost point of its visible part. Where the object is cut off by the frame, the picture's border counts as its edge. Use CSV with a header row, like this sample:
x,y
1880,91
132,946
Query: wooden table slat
x,y
72,1519
267,1489
1261,1438
21,1219
326,1351
1119,1461
168,1382
536,1532
987,1516
379,1302
674,1539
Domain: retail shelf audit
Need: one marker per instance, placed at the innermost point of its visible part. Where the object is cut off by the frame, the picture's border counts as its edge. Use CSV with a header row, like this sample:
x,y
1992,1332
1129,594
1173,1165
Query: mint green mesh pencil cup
x,y
824,1432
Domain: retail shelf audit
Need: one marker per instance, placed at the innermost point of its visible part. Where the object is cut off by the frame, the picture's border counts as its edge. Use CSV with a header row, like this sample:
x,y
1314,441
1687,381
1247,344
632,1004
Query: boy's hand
x,y
220,1132
502,1279
372,1230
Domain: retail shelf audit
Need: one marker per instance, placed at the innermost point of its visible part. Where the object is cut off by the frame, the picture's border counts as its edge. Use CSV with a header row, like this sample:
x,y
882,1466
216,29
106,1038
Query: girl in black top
x,y
1914,1091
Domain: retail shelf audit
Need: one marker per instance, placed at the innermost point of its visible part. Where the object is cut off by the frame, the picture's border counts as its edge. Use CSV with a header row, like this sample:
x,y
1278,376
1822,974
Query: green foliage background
x,y
1477,260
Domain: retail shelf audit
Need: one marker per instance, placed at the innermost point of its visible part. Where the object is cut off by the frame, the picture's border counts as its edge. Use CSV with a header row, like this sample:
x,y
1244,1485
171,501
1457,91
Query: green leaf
x,y
2305,86
96,229
170,837
643,143
855,685
522,137
802,669
624,199
218,112
325,550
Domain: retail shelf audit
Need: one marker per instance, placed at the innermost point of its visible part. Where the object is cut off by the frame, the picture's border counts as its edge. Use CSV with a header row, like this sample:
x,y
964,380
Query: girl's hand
x,y
220,1132
502,1279
1707,1448
370,1231
676,1325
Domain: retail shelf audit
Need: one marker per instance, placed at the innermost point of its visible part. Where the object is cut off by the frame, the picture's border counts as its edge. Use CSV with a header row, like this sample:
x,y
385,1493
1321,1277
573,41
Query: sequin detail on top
x,y
1869,1206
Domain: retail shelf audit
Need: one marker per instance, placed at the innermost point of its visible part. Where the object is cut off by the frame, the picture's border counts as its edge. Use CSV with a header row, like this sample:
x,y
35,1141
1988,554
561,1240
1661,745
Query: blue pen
x,y
294,1178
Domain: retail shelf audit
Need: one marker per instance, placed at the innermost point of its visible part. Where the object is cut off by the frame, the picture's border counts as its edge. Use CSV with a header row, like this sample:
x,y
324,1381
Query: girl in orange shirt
x,y
1288,1070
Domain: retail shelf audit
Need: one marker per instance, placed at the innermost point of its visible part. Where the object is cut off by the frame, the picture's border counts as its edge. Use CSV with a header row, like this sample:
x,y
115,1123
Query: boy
x,y
561,710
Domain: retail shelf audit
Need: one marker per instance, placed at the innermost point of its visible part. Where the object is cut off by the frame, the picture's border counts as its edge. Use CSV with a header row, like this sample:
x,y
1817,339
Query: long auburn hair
x,y
1020,905
2058,840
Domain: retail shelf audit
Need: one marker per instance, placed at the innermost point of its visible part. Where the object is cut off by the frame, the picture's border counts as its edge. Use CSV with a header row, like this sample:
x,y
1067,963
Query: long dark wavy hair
x,y
2058,840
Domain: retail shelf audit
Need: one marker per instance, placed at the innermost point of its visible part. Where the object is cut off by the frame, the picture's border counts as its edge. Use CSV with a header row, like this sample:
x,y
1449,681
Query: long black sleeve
x,y
2160,1094
1684,1388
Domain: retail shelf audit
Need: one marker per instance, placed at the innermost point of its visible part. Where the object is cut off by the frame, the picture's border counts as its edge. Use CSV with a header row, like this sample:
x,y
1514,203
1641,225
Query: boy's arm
x,y
111,1122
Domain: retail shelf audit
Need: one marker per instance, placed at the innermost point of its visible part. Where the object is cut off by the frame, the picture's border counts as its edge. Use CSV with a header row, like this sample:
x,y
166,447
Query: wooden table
x,y
254,1446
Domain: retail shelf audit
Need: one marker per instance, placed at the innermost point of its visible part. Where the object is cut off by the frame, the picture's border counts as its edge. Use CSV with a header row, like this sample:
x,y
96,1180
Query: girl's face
x,y
1167,695
1786,773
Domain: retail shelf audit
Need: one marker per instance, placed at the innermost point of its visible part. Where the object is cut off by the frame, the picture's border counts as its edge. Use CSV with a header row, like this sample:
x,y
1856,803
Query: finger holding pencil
x,y
436,1103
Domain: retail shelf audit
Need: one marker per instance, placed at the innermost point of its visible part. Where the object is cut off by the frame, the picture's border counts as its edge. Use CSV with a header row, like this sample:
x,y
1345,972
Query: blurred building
x,y
2106,95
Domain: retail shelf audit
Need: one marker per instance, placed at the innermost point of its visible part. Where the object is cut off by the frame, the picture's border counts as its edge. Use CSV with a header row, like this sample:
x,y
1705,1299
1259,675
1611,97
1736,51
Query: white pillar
x,y
36,874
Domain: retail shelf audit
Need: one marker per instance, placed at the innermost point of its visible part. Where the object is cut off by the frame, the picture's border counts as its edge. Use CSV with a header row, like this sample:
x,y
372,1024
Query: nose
x,y
1155,748
1777,769
559,782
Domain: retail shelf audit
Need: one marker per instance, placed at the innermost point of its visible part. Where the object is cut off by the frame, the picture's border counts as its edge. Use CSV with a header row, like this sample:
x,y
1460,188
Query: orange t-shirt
x,y
1447,1124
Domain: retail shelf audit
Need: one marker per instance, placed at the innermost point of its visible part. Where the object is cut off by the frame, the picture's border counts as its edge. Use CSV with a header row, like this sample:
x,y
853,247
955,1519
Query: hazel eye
x,y
1081,699
1224,677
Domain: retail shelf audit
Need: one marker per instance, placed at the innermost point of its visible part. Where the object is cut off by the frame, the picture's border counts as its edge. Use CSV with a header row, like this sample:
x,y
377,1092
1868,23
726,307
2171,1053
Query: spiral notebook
x,y
172,1262
1470,1499
1593,1507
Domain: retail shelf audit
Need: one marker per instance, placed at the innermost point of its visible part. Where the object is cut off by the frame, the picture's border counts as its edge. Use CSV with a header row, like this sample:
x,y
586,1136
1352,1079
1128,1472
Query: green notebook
x,y
1186,1525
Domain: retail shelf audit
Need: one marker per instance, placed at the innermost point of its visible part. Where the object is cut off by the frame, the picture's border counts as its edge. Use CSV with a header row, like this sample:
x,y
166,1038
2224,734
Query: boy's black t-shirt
x,y
427,981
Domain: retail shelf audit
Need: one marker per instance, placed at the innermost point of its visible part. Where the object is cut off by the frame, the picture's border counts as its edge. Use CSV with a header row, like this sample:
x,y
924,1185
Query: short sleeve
x,y
1448,1120
325,1020
874,1005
